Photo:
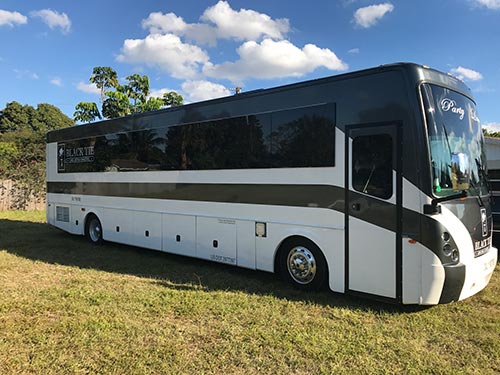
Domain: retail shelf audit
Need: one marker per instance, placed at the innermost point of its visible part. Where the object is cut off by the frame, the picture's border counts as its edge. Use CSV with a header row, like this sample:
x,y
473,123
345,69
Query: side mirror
x,y
460,171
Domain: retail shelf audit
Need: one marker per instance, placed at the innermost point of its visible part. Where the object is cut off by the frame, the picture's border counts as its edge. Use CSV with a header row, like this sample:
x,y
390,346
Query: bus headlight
x,y
449,249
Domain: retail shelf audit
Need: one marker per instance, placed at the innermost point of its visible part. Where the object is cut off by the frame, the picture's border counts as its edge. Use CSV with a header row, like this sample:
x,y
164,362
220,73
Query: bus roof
x,y
416,73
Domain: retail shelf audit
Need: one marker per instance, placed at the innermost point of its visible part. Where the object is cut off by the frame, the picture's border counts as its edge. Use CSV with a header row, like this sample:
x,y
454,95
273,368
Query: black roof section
x,y
417,73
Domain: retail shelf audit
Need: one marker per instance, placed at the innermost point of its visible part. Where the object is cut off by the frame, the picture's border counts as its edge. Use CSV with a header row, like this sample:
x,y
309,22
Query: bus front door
x,y
373,211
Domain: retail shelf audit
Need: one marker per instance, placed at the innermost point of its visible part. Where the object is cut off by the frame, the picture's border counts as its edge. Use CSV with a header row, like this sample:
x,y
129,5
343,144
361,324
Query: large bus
x,y
372,183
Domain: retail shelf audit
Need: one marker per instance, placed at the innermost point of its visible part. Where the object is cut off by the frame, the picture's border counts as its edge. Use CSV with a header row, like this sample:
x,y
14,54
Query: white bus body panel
x,y
179,234
478,273
372,257
216,239
199,224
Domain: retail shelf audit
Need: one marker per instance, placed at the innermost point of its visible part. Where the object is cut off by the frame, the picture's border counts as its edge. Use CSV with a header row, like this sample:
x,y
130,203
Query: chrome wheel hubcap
x,y
301,265
95,230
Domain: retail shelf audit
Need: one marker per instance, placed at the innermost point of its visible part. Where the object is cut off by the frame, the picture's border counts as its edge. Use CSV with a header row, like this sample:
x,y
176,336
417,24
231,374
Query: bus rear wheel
x,y
93,230
303,265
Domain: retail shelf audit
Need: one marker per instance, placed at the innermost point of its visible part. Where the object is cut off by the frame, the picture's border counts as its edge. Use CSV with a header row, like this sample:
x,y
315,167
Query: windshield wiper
x,y
436,201
478,192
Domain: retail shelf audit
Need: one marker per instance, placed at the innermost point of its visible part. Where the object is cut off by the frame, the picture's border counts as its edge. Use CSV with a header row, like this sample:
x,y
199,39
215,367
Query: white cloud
x,y
245,24
196,91
53,19
159,23
353,51
370,15
219,22
166,52
88,88
12,18
492,127
466,74
173,45
158,93
56,81
274,59
490,4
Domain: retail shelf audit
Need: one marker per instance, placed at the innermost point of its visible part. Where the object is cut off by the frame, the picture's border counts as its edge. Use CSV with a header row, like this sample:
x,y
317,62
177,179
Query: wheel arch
x,y
293,238
87,217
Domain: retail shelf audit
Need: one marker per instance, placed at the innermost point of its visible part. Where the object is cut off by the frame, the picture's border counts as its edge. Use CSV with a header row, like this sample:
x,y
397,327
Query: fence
x,y
15,197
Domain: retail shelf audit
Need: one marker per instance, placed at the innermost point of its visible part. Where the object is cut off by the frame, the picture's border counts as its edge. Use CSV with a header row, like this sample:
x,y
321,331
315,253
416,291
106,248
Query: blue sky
x,y
204,48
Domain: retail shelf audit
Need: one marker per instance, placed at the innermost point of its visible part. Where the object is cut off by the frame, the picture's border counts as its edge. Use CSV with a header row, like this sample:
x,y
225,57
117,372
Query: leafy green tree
x,y
15,117
48,117
152,104
122,100
86,112
104,78
172,99
116,105
137,90
24,117
22,145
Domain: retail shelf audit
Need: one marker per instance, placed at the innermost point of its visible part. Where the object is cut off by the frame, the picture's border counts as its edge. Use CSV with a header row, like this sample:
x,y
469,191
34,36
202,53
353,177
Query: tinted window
x,y
372,165
260,140
301,137
221,144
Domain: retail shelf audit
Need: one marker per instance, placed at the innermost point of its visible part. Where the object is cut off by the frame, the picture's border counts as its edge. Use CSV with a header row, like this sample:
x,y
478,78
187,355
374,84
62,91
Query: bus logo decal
x,y
484,222
61,151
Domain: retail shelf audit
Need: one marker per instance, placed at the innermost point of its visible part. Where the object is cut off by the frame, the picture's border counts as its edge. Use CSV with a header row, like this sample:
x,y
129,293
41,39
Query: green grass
x,y
69,307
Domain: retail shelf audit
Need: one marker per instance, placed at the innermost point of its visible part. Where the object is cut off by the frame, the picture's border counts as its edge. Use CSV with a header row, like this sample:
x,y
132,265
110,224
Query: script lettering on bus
x,y
451,105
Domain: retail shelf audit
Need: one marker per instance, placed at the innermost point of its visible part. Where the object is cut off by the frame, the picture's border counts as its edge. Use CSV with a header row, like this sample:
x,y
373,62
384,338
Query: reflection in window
x,y
453,127
302,137
372,165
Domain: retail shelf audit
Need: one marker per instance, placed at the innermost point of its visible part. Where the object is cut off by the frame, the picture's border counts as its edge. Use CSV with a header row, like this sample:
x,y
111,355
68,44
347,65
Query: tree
x,y
15,117
48,117
22,146
122,100
104,77
152,104
117,104
137,90
86,112
172,99
45,117
488,133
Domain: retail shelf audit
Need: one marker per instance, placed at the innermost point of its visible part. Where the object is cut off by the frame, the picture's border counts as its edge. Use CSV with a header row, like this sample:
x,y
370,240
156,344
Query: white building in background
x,y
493,156
493,152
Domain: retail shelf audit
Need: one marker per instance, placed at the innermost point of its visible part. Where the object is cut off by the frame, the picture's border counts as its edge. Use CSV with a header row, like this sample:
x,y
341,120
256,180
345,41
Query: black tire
x,y
302,264
93,230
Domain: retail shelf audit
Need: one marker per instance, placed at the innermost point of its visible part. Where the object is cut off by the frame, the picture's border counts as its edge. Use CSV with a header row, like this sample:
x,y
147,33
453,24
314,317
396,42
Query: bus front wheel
x,y
93,230
303,265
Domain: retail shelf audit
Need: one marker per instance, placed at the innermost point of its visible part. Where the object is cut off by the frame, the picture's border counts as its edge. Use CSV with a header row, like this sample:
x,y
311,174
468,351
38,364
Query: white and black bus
x,y
372,183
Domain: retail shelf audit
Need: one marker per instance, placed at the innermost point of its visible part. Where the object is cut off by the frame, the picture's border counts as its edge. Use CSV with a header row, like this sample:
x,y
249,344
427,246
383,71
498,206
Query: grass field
x,y
69,307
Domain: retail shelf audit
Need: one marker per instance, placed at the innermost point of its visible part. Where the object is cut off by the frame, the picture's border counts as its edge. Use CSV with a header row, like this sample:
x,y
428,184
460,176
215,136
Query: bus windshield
x,y
454,132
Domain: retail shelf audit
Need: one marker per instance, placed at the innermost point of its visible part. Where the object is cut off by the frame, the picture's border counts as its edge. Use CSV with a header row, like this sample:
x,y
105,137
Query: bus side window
x,y
372,165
